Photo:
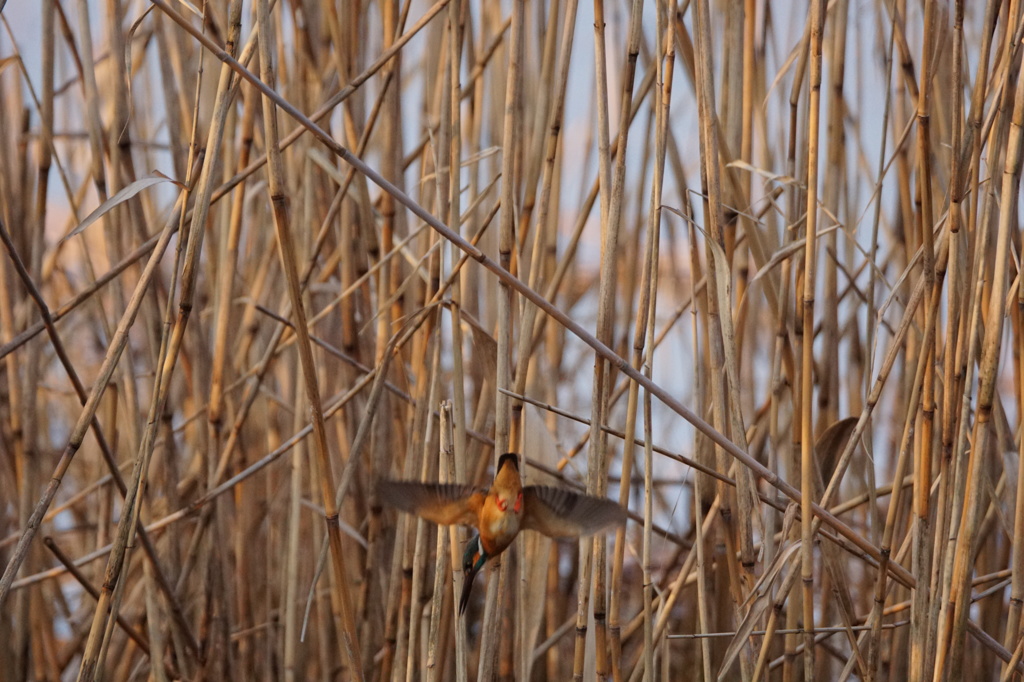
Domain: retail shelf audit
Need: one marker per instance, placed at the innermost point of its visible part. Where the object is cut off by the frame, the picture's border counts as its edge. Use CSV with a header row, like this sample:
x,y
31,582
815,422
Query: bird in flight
x,y
498,514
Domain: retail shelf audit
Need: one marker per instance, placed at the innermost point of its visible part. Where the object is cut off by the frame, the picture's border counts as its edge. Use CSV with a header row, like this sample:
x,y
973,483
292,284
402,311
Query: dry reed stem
x,y
807,295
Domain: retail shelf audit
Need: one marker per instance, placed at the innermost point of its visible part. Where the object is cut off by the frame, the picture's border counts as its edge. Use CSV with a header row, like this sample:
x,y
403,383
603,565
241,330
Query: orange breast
x,y
497,528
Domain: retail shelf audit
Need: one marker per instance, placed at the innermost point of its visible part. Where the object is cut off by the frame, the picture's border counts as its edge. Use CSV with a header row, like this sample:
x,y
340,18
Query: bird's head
x,y
472,561
508,487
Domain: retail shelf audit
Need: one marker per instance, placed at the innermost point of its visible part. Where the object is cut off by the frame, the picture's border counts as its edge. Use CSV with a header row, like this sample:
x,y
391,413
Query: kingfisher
x,y
499,513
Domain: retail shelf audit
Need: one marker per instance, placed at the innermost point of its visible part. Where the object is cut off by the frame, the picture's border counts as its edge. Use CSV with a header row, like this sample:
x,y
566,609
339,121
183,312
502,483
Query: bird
x,y
500,512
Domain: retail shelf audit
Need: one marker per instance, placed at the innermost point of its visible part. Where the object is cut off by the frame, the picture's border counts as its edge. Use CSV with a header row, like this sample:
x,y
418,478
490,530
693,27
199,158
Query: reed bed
x,y
750,268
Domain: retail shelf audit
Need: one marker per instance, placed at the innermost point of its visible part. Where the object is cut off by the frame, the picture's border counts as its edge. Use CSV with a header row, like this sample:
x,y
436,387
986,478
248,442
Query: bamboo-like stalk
x,y
391,151
291,634
598,400
795,165
666,67
17,453
432,359
817,21
702,586
31,416
1017,554
922,559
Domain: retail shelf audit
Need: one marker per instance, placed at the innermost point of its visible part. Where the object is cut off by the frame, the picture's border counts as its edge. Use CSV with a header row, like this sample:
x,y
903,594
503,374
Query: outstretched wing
x,y
441,503
561,513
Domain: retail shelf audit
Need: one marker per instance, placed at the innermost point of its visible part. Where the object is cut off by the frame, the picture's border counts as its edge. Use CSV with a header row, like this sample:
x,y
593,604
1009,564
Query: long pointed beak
x,y
467,587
